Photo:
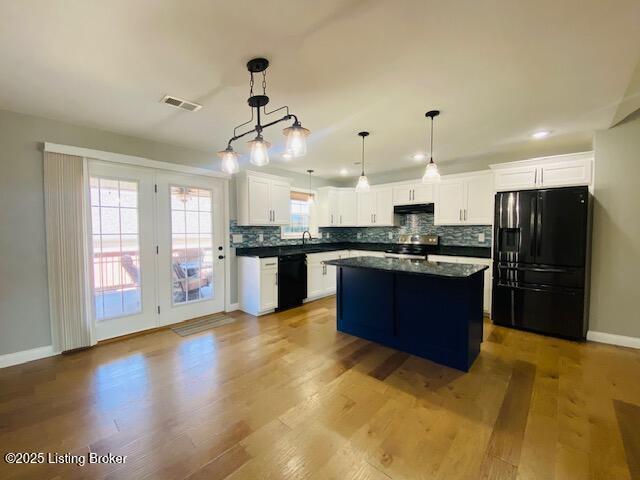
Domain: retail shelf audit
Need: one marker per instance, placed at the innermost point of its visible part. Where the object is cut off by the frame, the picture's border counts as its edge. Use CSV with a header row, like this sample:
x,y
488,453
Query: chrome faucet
x,y
303,234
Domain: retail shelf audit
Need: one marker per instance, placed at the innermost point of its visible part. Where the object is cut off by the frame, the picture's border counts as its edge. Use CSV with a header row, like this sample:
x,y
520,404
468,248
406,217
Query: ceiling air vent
x,y
181,103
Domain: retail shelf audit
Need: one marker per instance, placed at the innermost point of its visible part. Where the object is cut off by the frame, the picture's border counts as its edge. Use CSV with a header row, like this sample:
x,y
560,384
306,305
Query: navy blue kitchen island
x,y
429,309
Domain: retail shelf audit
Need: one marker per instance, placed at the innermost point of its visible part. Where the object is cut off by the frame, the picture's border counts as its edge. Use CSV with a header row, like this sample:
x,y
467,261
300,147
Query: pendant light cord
x,y
362,157
431,154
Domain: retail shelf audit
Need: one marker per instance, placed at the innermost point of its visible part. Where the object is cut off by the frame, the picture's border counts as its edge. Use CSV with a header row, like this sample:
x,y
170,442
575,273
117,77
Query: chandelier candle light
x,y
363,181
431,174
296,134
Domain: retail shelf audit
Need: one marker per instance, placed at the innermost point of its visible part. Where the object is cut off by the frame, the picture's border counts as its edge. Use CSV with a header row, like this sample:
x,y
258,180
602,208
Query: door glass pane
x,y
191,244
116,247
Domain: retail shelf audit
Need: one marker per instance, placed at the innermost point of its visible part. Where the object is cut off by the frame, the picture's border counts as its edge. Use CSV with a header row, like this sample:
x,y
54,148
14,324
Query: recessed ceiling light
x,y
418,157
541,134
344,171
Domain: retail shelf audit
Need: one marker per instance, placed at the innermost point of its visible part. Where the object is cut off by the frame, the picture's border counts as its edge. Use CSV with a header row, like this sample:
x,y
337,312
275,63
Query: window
x,y
191,244
302,215
116,247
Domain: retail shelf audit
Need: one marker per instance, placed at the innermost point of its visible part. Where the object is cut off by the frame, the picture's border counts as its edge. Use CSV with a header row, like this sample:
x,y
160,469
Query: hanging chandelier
x,y
431,173
296,134
363,181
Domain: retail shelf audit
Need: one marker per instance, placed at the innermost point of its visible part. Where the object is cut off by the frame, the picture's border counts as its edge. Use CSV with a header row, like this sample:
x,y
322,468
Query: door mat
x,y
202,325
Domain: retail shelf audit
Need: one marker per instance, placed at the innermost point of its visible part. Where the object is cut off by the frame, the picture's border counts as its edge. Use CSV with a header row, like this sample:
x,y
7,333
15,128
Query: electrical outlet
x,y
359,235
236,238
390,234
481,237
260,237
328,235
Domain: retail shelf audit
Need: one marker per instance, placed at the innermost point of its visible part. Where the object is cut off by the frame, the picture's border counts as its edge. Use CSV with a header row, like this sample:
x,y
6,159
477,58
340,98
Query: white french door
x,y
122,249
191,246
156,247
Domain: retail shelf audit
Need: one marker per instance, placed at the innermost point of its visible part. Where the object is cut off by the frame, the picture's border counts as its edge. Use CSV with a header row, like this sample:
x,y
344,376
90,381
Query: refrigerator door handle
x,y
537,289
539,225
532,224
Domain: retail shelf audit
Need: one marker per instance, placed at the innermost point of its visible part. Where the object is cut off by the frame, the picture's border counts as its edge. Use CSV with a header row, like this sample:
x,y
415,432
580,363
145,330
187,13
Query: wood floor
x,y
287,397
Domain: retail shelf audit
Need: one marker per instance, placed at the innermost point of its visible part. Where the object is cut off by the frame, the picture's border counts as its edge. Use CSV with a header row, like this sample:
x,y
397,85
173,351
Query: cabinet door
x,y
517,178
329,280
567,173
479,201
315,279
449,205
402,195
383,214
268,289
281,203
333,208
366,207
259,201
347,208
422,193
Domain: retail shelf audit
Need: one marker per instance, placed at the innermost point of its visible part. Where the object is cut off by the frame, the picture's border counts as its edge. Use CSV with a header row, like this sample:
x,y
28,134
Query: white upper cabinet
x,y
557,171
480,200
263,199
366,207
281,202
337,207
375,208
412,194
448,208
465,200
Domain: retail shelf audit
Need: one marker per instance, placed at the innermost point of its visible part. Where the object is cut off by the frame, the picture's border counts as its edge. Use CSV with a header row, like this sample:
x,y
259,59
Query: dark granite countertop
x,y
276,251
405,265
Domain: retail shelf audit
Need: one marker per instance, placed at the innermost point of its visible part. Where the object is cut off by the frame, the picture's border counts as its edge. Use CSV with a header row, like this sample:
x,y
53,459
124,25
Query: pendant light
x,y
296,134
259,155
310,199
229,160
363,181
431,173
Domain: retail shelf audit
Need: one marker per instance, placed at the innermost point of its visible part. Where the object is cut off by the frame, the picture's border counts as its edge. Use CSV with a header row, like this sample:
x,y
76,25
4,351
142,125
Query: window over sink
x,y
303,214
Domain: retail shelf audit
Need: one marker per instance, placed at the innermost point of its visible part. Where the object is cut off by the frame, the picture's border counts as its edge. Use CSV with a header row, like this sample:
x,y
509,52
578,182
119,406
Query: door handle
x,y
340,219
460,214
332,219
276,278
465,213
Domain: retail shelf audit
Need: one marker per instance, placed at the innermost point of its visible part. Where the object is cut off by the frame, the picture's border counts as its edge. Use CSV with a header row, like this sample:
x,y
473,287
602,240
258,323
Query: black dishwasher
x,y
292,280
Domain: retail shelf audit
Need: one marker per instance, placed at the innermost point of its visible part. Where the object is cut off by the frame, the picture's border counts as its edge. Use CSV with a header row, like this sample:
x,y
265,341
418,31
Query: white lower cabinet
x,y
258,281
321,278
488,275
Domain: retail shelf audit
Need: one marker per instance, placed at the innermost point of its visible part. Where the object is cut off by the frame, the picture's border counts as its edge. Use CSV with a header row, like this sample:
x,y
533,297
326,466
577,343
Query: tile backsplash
x,y
414,223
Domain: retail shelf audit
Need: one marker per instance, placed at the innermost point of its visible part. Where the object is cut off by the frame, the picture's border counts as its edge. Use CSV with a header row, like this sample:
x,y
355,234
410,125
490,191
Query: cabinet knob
x,y
220,257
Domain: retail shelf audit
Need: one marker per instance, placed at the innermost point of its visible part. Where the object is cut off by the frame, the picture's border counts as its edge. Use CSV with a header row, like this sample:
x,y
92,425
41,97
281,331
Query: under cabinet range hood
x,y
418,208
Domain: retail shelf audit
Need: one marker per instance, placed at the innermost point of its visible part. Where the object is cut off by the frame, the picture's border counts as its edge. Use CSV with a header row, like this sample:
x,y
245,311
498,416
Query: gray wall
x,y
616,230
24,303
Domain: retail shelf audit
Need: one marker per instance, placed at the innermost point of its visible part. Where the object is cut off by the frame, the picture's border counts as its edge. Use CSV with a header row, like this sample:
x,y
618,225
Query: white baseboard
x,y
16,358
233,307
613,339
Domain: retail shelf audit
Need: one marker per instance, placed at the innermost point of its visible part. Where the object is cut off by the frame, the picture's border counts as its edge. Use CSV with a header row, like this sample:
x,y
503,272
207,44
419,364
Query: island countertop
x,y
411,266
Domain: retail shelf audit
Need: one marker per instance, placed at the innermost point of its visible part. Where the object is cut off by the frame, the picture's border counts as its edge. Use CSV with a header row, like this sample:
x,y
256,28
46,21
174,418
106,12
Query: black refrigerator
x,y
541,259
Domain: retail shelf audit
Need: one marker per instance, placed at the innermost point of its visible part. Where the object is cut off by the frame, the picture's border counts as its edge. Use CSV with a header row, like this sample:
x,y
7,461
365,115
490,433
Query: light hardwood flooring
x,y
287,397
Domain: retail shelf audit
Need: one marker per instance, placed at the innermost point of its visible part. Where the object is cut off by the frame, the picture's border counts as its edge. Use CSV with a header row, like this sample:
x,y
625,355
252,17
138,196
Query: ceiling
x,y
498,70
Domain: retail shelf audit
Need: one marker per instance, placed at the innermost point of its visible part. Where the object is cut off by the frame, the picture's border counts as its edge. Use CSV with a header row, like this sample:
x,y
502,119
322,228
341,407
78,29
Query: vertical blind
x,y
66,251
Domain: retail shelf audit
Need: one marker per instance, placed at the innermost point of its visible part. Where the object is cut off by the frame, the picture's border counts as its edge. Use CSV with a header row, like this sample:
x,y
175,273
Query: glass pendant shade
x,y
229,161
296,140
259,151
363,184
431,173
